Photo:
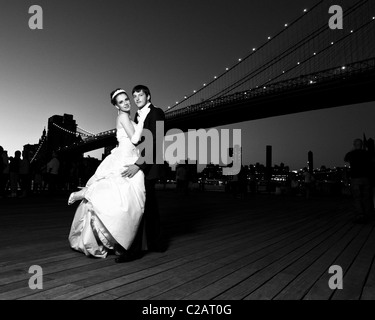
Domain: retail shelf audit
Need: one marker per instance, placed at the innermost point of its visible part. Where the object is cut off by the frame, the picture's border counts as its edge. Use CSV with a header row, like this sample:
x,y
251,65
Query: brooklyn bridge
x,y
305,66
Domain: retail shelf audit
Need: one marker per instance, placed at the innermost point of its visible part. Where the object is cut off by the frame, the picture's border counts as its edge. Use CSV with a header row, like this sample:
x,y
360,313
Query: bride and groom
x,y
118,210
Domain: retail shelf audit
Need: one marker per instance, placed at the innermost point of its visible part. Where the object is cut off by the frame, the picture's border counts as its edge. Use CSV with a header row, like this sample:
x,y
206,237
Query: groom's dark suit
x,y
153,172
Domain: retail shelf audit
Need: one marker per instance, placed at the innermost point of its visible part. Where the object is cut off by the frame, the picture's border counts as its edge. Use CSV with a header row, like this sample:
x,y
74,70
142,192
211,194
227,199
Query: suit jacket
x,y
152,171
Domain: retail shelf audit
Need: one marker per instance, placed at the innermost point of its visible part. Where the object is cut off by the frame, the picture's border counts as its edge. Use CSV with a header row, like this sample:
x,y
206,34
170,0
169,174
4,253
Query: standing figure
x,y
14,170
360,168
152,172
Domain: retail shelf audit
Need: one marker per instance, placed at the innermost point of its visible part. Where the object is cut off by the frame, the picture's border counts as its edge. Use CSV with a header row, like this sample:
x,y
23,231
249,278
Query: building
x,y
62,131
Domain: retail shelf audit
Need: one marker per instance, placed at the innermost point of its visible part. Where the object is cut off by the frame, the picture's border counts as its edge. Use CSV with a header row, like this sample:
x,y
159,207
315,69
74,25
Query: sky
x,y
88,48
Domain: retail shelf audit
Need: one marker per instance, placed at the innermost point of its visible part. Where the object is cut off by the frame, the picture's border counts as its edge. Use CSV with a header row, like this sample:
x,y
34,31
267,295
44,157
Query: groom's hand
x,y
130,171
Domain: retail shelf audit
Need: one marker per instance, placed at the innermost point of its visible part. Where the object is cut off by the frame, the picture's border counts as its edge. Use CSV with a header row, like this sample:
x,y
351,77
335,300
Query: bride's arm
x,y
126,124
137,132
134,132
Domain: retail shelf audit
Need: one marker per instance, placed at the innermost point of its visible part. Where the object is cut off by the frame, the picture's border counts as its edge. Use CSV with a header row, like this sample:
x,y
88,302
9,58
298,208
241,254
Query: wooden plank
x,y
287,255
48,294
102,296
244,288
244,258
272,287
23,292
122,280
320,290
207,240
297,289
97,288
355,278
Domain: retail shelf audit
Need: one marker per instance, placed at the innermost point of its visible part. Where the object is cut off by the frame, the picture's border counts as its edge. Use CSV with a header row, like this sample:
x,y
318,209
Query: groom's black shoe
x,y
128,256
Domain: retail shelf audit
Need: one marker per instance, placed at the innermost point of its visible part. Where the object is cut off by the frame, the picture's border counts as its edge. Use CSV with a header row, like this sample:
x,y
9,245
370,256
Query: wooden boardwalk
x,y
262,247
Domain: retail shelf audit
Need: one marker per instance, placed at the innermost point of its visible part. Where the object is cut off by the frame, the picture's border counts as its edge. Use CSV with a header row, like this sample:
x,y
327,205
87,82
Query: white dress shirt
x,y
144,109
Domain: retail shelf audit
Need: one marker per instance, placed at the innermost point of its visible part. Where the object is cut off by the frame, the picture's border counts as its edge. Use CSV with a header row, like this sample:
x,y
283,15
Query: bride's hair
x,y
115,93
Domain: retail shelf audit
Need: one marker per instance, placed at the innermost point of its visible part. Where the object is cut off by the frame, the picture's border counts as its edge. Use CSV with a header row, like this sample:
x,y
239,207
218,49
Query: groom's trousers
x,y
150,220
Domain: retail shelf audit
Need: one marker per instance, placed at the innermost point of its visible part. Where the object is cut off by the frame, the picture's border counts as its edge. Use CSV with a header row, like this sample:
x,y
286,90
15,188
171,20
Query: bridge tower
x,y
62,132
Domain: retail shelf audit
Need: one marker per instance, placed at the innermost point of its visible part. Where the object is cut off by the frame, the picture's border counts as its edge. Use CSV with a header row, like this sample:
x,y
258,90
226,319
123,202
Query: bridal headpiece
x,y
117,92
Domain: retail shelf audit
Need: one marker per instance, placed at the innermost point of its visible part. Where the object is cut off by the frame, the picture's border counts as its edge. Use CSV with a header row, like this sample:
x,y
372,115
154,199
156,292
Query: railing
x,y
96,137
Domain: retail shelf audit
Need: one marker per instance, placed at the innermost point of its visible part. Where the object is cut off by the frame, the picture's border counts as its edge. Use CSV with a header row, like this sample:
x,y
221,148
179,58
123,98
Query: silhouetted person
x,y
6,171
25,179
2,175
309,182
242,182
182,179
360,167
53,167
252,180
371,150
294,184
36,173
14,170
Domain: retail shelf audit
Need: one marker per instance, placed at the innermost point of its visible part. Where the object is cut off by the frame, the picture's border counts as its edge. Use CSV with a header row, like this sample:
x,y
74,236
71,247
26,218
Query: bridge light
x,y
343,67
204,84
227,69
314,53
298,63
304,10
285,25
215,77
185,97
269,38
254,49
332,42
239,59
351,31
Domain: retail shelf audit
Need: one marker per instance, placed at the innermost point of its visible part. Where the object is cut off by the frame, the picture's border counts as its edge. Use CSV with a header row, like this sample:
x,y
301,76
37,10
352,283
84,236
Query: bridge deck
x,y
262,247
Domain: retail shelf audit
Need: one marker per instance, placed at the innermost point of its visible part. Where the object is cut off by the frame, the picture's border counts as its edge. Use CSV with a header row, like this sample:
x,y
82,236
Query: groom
x,y
152,172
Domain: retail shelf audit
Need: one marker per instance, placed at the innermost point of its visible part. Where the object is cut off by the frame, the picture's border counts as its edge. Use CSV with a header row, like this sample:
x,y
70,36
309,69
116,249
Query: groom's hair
x,y
143,88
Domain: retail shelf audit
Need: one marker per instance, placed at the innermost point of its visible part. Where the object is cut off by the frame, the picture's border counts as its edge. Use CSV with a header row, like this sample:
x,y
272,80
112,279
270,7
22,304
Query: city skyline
x,y
73,64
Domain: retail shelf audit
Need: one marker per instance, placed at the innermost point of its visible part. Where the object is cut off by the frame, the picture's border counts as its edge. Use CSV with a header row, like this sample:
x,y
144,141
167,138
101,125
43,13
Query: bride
x,y
112,206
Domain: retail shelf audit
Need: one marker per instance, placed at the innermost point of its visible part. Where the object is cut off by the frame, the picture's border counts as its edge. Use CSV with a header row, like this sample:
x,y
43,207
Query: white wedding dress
x,y
113,206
